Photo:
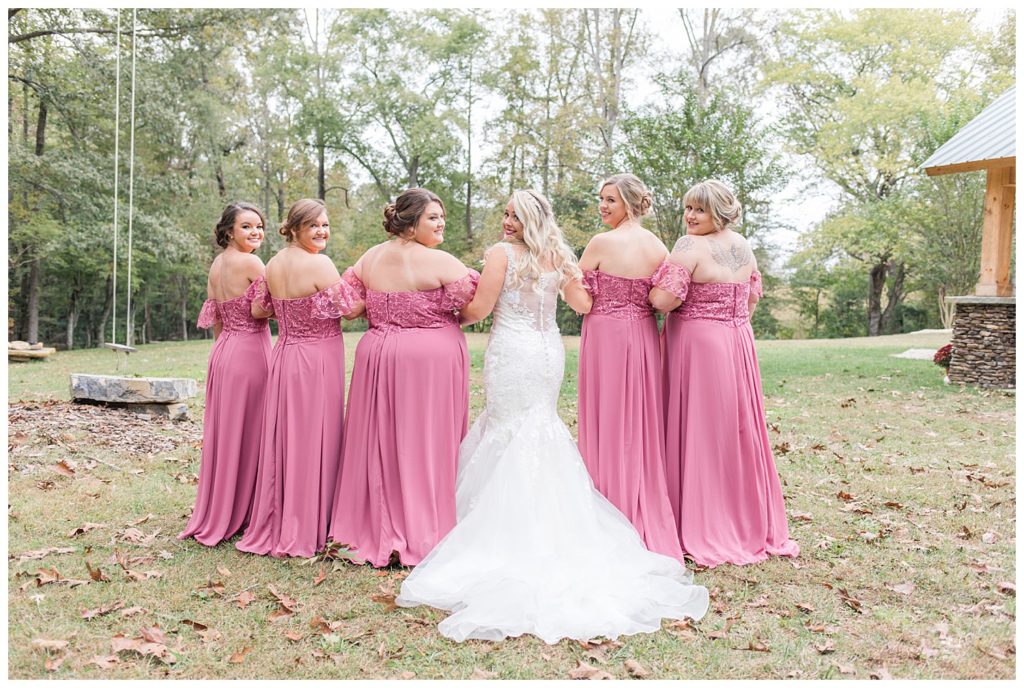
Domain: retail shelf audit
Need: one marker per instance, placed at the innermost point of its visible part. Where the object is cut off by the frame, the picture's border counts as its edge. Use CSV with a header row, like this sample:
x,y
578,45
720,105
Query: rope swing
x,y
125,348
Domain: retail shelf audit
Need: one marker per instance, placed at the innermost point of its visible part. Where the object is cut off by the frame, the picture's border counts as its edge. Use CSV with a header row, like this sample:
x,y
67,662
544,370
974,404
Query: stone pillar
x,y
984,341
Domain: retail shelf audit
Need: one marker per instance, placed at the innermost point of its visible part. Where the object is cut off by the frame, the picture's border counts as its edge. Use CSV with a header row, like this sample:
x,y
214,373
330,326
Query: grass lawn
x,y
899,489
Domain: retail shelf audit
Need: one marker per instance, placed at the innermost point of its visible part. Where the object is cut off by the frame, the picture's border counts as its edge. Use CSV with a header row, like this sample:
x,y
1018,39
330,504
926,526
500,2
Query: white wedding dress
x,y
536,549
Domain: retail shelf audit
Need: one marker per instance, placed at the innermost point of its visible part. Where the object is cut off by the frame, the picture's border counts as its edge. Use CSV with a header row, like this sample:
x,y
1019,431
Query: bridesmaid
x,y
408,407
301,447
722,480
621,436
235,381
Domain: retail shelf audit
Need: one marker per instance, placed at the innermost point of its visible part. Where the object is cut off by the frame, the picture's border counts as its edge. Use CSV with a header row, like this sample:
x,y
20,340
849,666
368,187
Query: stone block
x,y
131,390
171,411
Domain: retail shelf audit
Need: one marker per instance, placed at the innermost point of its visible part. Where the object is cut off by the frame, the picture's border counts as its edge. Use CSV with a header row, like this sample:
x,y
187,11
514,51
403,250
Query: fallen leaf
x,y
1007,588
96,573
101,611
141,520
989,538
293,636
845,496
894,505
239,657
806,608
585,671
635,669
224,572
481,675
387,599
63,468
41,553
407,675
104,662
826,647
320,626
85,528
244,598
757,646
286,602
49,645
132,611
320,577
979,567
154,634
880,674
850,601
209,635
213,587
194,625
802,516
53,663
903,588
964,533
846,669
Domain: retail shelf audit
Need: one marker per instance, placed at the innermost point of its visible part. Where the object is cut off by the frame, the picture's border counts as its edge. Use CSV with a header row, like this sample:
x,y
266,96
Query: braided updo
x,y
405,212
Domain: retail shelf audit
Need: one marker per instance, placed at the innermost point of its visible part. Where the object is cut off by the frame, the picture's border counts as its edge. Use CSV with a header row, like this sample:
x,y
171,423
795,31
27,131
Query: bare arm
x,y
578,298
753,298
488,289
684,253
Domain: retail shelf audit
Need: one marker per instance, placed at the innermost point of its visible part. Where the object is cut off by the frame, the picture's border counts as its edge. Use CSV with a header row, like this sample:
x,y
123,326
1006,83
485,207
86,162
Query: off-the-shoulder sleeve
x,y
259,293
460,292
352,279
209,315
673,278
756,285
336,301
591,281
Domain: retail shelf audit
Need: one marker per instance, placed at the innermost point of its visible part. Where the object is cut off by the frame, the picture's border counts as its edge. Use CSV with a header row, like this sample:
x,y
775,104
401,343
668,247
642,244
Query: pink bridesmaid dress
x,y
300,452
408,410
722,479
621,436
236,381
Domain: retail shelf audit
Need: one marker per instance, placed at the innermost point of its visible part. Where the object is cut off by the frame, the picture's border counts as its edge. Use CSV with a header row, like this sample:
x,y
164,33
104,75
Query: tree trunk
x,y
897,278
184,316
280,203
414,169
469,154
321,173
41,128
101,335
146,323
875,287
72,319
33,302
130,336
947,311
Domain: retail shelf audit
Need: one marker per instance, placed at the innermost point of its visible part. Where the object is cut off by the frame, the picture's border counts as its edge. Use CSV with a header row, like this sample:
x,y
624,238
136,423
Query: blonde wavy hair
x,y
719,200
544,242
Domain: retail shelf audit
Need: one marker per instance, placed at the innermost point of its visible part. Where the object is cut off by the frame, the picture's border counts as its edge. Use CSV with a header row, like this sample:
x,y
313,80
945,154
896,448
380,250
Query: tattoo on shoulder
x,y
685,243
734,256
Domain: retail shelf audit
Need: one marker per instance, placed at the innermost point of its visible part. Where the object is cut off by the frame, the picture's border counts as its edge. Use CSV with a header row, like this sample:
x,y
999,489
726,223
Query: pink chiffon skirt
x,y
408,410
236,381
621,436
722,479
301,448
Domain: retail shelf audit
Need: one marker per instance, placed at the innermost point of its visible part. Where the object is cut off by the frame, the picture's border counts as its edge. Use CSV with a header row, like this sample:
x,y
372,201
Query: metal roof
x,y
992,135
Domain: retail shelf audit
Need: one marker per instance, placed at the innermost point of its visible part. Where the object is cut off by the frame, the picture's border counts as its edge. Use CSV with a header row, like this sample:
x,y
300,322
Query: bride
x,y
536,549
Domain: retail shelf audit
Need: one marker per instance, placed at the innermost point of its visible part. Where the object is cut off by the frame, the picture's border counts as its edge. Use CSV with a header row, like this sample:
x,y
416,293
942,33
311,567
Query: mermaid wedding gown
x,y
536,549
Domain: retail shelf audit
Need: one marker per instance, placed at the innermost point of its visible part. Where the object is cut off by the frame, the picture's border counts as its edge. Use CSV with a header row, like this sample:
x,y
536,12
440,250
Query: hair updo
x,y
718,200
302,212
636,197
222,232
405,212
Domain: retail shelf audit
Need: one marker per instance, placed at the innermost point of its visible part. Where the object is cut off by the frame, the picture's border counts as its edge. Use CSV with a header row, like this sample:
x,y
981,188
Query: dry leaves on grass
x,y
286,605
903,588
387,599
481,675
46,576
85,528
239,657
588,672
683,629
1007,588
64,467
104,662
89,614
635,669
320,577
243,599
48,645
216,589
97,573
41,553
151,642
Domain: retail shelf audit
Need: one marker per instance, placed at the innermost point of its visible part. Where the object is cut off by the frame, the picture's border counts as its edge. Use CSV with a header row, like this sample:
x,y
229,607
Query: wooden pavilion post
x,y
997,233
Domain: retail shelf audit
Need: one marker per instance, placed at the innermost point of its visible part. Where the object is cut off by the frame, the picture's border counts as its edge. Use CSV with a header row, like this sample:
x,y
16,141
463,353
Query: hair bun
x,y
646,203
283,230
389,218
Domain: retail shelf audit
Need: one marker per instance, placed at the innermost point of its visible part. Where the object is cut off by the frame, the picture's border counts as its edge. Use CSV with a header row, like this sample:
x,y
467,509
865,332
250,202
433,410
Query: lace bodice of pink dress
x,y
389,310
619,297
233,314
308,318
726,302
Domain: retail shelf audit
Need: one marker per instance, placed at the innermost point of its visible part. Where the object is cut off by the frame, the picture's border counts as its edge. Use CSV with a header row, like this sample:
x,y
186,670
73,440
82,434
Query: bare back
x,y
294,273
721,257
231,273
396,265
624,252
